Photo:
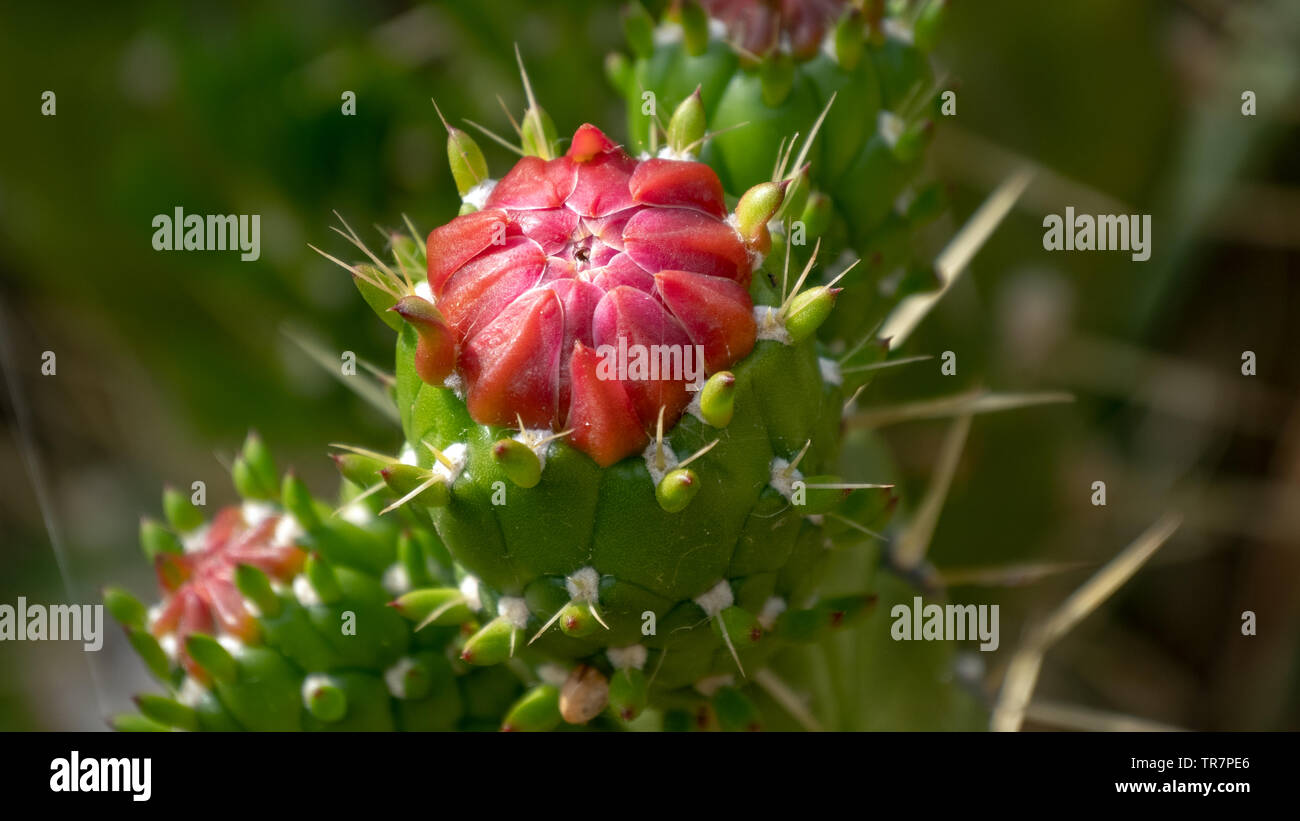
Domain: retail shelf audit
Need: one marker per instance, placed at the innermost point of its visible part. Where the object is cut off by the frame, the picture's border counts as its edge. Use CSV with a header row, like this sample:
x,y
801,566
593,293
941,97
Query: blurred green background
x,y
165,360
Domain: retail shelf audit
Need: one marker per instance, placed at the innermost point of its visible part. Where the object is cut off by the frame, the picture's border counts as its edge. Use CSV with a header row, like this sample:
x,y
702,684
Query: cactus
x,y
581,528
854,74
276,616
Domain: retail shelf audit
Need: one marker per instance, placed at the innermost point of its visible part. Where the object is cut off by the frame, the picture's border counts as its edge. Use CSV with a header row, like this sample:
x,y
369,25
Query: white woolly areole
x,y
407,456
584,586
828,46
423,291
455,384
251,608
395,677
772,608
669,33
711,684
888,284
904,200
288,531
313,682
535,439
513,610
191,692
469,589
783,478
830,371
478,195
770,325
255,513
169,645
890,127
233,646
897,29
624,658
304,592
396,580
196,540
755,256
457,454
667,153
694,407
552,674
651,457
968,667
717,599
357,514
151,615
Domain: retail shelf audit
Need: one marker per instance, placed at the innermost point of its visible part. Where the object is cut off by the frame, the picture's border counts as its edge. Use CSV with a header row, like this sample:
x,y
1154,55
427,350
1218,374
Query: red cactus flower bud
x,y
761,26
588,250
206,596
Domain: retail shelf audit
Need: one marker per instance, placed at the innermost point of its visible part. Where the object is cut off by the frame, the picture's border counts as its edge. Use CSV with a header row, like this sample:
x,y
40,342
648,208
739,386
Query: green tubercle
x,y
215,660
518,462
537,711
718,399
155,539
687,126
676,490
182,514
324,699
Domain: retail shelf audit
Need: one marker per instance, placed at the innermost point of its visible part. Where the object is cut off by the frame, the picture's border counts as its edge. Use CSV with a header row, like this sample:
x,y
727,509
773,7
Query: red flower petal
x,y
626,313
604,422
557,268
601,254
227,524
169,617
717,314
678,239
752,25
255,548
621,270
589,141
512,365
483,287
551,228
579,300
534,183
456,243
602,187
678,183
228,605
173,570
609,229
195,617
